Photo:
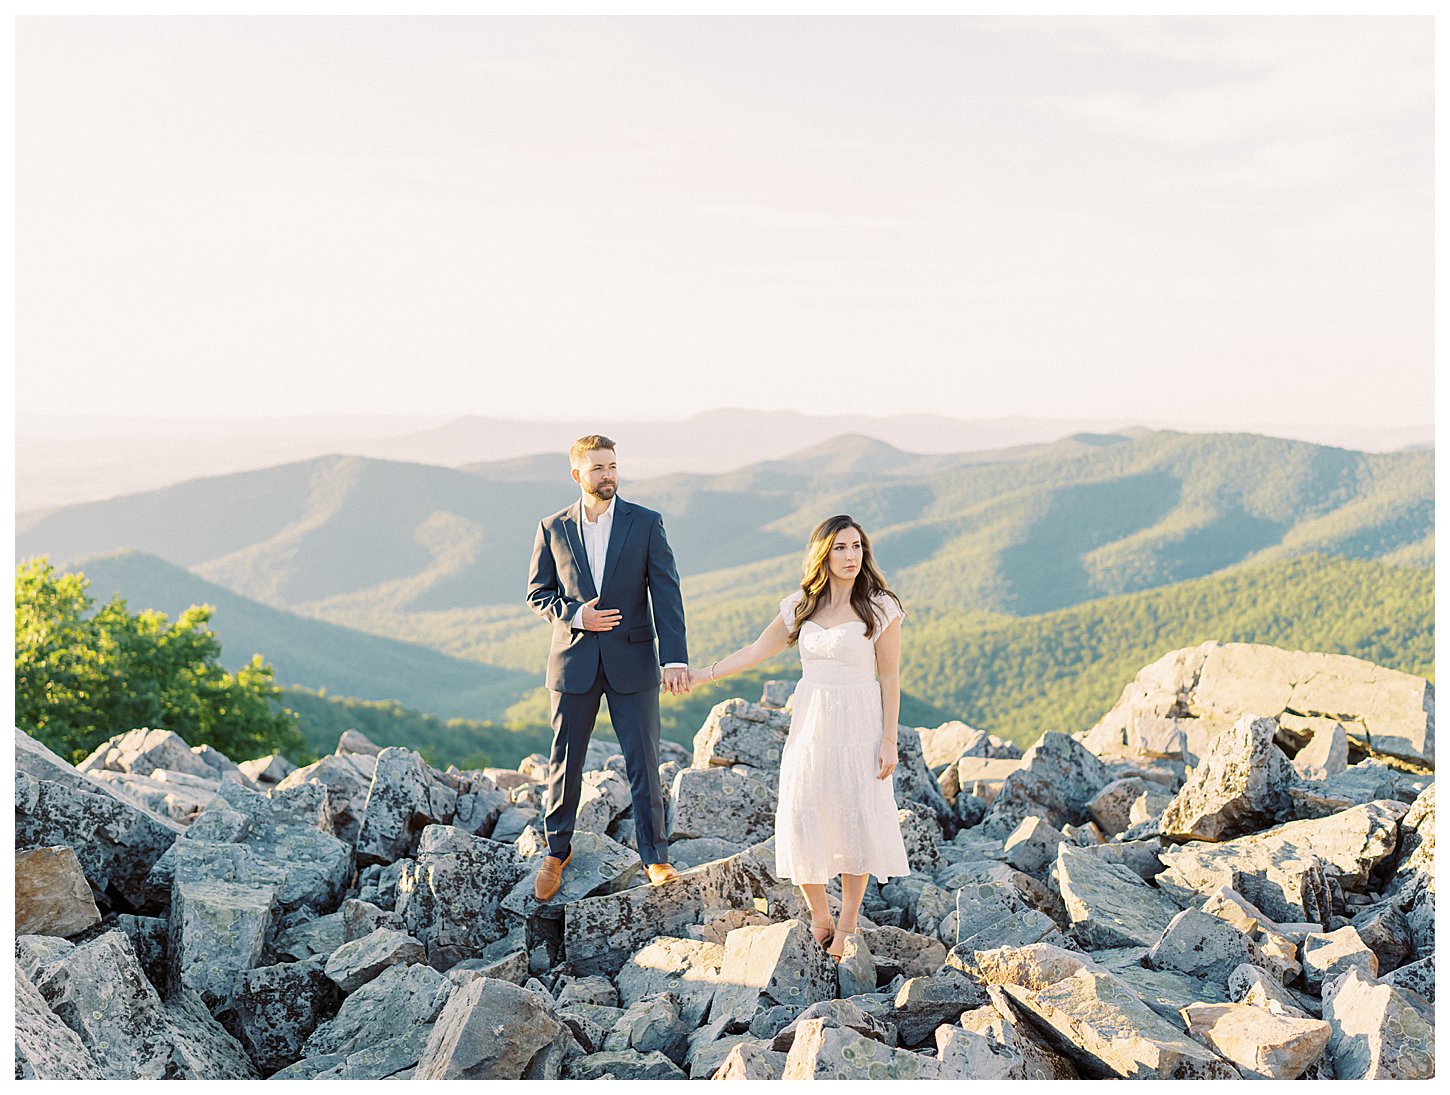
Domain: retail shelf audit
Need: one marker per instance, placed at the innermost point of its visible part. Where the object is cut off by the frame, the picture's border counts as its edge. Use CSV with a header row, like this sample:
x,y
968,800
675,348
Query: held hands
x,y
599,619
677,680
886,759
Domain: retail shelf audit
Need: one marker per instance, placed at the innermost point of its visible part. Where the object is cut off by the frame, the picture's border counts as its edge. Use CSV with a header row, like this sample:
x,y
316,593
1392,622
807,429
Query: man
x,y
603,548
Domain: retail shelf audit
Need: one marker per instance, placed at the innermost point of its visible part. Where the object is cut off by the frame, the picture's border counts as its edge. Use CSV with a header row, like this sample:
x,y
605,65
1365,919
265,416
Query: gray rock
x,y
45,1048
839,1013
488,1030
52,896
142,751
1166,991
726,803
897,951
1263,1044
1386,931
1056,779
588,990
1329,954
751,1061
1416,977
347,777
693,851
590,1023
1200,945
1378,1032
1094,1018
914,783
275,1008
1240,786
1283,870
1032,847
405,796
1248,984
1327,753
1003,1028
355,741
1112,807
624,1064
924,1003
737,732
689,968
651,1025
921,838
1108,904
776,964
267,771
449,897
53,802
317,937
356,963
601,933
966,1055
856,971
401,1002
824,1052
599,866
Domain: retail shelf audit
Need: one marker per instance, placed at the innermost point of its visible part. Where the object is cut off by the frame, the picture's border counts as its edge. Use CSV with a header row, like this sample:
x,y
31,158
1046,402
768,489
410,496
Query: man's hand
x,y
599,619
677,680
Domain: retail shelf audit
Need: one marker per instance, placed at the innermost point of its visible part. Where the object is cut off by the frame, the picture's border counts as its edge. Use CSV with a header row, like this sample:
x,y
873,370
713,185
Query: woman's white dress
x,y
834,816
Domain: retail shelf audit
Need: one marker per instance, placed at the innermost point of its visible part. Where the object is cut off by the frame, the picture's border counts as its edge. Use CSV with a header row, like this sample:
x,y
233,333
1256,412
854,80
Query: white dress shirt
x,y
595,535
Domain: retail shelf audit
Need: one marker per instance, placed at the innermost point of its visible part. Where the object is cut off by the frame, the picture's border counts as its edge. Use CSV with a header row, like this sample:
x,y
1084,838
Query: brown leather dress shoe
x,y
551,873
660,873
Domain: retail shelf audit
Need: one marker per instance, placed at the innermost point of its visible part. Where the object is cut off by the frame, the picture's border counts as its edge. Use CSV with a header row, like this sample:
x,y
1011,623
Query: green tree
x,y
82,676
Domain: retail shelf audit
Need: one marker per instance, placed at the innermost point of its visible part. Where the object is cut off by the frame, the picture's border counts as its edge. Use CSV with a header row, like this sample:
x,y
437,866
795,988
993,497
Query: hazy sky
x,y
1221,219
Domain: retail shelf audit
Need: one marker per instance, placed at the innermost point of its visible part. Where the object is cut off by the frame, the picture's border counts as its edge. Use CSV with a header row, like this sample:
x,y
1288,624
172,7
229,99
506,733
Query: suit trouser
x,y
636,718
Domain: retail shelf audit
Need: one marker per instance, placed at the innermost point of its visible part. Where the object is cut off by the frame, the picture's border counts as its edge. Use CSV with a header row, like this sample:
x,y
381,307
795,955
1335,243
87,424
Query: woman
x,y
837,807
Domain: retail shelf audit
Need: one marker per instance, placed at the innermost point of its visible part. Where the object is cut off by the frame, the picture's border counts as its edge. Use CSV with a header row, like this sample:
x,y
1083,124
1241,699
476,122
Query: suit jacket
x,y
640,580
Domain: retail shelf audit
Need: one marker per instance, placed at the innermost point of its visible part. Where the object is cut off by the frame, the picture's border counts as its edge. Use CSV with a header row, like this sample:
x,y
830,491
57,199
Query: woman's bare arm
x,y
770,643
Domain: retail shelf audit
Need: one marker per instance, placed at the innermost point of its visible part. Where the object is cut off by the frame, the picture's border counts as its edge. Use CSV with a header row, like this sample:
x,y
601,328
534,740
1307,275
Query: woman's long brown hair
x,y
816,576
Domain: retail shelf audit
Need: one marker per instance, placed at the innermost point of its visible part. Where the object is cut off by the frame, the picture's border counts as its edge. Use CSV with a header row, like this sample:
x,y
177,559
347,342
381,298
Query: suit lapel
x,y
576,548
623,516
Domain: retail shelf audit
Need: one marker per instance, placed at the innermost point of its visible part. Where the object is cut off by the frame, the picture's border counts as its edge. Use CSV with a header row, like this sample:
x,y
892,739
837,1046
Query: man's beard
x,y
604,492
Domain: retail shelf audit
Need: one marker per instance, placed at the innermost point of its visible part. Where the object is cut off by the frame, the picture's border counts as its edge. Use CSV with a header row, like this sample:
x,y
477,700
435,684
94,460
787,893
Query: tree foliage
x,y
84,674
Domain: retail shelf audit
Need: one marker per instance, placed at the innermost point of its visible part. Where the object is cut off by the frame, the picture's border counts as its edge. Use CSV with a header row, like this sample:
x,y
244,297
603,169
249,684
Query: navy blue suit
x,y
640,580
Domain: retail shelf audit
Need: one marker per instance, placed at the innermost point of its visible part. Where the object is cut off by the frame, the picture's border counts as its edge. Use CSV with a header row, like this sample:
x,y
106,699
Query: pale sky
x,y
1228,220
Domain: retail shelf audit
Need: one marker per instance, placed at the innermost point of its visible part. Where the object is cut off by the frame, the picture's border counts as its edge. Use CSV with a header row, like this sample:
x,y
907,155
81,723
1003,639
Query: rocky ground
x,y
1230,875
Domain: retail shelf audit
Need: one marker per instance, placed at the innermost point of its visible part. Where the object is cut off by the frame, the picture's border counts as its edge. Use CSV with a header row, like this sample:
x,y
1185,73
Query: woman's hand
x,y
699,677
886,759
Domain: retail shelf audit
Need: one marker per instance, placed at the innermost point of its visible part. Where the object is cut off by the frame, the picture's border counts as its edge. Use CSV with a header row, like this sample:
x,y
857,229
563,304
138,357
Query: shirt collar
x,y
607,515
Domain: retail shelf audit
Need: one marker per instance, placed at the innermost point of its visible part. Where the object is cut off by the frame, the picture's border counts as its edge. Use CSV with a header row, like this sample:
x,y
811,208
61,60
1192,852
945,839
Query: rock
x,y
356,963
174,795
1166,991
1094,1018
1146,811
588,990
776,694
689,968
737,732
751,1061
590,1023
966,1055
600,933
488,1030
317,937
1282,870
823,1052
603,796
1385,931
1329,954
1327,753
837,1013
718,927
924,1003
355,741
1413,883
347,777
1108,904
449,897
1056,780
1364,782
624,1064
1264,1045
1416,977
1112,807
275,1008
991,915
404,797
599,866
45,1048
1240,786
399,1005
914,783
99,991
52,896
269,770
946,744
693,851
1248,984
140,752
777,964
1002,1028
921,839
725,803
651,1025
856,971
1377,1031
1032,846
53,802
1200,945
900,952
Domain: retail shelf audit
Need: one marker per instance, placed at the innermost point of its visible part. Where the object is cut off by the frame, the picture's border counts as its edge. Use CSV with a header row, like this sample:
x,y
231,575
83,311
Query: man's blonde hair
x,y
587,444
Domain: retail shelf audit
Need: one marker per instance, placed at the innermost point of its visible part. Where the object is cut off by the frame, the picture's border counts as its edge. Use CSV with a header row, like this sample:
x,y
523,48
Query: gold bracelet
x,y
712,669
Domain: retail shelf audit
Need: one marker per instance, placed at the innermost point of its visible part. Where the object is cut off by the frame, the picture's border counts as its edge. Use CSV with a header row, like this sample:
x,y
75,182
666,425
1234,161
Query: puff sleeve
x,y
787,609
886,611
